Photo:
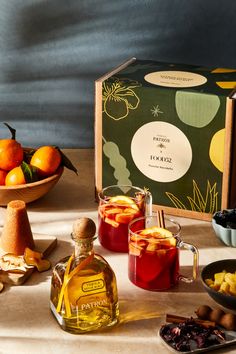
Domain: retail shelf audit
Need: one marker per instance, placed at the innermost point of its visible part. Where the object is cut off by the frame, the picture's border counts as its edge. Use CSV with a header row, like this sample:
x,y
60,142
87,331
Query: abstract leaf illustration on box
x,y
118,162
216,151
204,204
119,97
195,109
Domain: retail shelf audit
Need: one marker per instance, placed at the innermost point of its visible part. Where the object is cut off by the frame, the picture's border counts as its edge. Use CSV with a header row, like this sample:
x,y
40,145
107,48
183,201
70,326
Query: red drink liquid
x,y
153,264
113,220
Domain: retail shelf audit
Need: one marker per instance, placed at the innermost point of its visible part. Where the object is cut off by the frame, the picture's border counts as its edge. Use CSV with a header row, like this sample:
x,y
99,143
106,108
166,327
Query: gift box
x,y
169,128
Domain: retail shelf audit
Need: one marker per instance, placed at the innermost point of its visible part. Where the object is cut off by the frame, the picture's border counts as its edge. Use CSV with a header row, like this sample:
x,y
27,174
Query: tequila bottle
x,y
84,294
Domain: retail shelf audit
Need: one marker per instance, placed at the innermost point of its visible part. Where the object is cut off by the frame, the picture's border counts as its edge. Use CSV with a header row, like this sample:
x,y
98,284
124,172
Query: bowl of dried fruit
x,y
224,225
219,280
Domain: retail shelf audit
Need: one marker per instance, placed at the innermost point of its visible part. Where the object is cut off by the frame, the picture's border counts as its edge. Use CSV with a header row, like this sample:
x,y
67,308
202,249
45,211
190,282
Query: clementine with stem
x,y
11,152
46,159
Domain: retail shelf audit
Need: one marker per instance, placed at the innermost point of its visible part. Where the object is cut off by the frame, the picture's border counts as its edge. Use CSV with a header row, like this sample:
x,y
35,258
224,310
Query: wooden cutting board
x,y
44,244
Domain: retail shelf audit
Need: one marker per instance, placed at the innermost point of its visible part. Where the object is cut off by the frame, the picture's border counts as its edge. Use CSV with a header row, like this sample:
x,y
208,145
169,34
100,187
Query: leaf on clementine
x,y
66,162
28,154
30,172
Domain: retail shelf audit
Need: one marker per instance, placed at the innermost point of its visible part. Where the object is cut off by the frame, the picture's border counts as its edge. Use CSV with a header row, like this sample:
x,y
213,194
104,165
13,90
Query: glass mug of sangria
x,y
118,205
154,254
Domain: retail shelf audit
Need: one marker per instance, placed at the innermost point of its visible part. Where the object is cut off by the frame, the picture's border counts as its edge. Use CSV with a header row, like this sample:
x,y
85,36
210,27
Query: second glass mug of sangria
x,y
118,205
154,254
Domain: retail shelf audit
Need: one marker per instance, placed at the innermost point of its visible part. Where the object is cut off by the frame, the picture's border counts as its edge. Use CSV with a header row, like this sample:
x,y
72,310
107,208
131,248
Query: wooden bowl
x,y
30,191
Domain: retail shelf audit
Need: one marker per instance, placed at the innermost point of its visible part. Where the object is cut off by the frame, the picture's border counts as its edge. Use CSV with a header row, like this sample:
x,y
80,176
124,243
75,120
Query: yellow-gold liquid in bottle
x,y
84,294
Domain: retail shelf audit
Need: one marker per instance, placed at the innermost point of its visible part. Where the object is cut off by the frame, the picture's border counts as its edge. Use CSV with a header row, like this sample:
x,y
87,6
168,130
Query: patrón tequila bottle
x,y
83,289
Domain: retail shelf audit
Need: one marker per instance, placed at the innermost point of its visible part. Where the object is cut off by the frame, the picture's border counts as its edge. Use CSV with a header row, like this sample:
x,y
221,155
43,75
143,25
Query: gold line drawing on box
x,y
198,202
118,98
156,110
117,161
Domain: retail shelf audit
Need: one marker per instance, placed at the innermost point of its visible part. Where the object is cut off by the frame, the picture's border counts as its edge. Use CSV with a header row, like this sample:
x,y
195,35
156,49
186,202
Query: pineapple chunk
x,y
209,282
230,278
232,290
224,288
219,278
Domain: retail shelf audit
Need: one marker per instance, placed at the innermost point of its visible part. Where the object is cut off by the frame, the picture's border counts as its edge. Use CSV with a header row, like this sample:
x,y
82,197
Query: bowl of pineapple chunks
x,y
219,280
224,225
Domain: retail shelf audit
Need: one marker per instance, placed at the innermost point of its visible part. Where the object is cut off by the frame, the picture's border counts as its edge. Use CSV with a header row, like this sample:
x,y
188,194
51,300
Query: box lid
x,y
218,81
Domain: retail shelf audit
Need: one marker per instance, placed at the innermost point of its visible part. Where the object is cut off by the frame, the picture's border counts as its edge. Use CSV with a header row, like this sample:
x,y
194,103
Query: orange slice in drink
x,y
124,200
160,233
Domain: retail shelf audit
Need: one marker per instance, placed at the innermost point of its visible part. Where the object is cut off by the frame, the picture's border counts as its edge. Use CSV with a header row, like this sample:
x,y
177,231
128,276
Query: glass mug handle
x,y
194,250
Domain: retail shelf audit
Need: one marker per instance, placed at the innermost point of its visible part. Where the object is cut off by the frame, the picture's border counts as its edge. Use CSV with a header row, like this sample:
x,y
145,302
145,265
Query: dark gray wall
x,y
52,51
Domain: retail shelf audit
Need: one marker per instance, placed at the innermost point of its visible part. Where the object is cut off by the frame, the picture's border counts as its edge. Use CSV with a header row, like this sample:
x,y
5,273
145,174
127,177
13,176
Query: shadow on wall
x,y
54,50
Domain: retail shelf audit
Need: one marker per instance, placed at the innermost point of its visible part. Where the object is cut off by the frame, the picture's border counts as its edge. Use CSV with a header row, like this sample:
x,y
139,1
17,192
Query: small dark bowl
x,y
228,301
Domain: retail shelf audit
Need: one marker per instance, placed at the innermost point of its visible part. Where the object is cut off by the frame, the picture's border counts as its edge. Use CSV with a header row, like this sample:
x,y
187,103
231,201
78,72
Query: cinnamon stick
x,y
160,218
179,319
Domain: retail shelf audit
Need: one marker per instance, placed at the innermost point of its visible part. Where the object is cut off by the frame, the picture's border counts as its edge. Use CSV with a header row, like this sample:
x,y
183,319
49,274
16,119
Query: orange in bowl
x,y
46,159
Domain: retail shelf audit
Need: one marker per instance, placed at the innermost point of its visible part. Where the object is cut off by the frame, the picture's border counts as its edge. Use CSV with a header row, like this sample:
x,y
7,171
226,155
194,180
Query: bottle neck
x,y
84,248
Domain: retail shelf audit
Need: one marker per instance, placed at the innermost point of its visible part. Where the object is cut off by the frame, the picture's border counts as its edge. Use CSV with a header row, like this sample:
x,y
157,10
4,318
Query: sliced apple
x,y
169,242
134,249
112,211
111,222
124,218
152,247
166,237
157,232
132,211
161,252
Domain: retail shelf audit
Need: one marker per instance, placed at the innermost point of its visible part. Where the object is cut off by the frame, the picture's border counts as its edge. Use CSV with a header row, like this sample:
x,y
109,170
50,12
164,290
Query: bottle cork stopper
x,y
83,228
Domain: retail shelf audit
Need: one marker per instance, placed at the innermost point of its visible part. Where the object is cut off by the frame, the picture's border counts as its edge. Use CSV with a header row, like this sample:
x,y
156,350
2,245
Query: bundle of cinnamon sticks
x,y
178,319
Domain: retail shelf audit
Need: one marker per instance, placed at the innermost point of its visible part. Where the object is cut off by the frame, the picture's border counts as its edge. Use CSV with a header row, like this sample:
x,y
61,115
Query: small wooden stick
x,y
178,319
160,219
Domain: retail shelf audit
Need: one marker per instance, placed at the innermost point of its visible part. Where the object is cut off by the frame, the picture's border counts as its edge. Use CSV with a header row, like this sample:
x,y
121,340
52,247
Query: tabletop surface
x,y
26,323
